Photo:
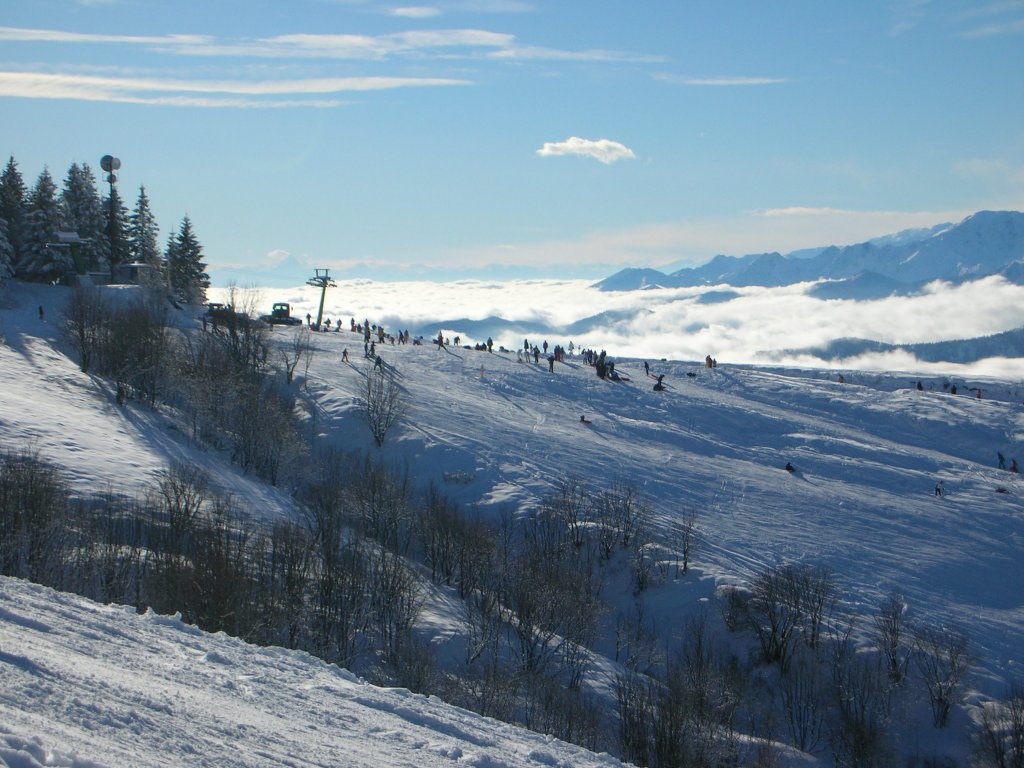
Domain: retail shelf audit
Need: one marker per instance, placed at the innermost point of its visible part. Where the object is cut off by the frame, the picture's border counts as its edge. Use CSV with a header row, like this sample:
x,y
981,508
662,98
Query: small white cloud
x,y
415,12
603,150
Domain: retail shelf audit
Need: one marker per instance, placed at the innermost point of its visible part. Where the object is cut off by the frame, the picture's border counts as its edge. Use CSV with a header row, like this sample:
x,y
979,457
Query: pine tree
x,y
185,268
43,219
6,252
144,234
12,207
115,221
84,215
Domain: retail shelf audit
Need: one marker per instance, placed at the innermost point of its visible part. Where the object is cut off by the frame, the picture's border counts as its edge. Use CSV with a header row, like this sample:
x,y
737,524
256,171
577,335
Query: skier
x,y
790,468
551,363
584,420
940,489
378,364
659,387
490,344
344,355
647,368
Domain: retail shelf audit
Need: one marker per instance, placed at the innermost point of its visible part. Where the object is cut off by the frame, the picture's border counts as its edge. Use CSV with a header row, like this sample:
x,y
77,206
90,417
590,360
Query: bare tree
x,y
298,349
859,735
85,316
395,600
384,403
568,502
943,660
775,612
803,693
688,538
816,592
999,738
635,701
890,637
33,518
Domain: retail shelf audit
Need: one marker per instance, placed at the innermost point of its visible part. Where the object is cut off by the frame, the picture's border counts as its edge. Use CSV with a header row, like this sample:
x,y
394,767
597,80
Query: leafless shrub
x,y
943,660
999,737
637,645
635,703
33,518
689,536
569,503
859,734
775,612
804,695
890,637
297,350
734,607
384,402
85,317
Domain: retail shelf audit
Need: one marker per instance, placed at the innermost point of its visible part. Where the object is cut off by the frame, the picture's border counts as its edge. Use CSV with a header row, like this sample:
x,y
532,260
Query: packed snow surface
x,y
88,685
111,688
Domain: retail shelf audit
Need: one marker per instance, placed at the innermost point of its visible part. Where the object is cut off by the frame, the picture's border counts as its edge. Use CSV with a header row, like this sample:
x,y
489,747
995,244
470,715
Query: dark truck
x,y
281,314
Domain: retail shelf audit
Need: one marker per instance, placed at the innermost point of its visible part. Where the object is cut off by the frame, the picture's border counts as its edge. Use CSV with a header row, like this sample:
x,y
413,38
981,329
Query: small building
x,y
135,273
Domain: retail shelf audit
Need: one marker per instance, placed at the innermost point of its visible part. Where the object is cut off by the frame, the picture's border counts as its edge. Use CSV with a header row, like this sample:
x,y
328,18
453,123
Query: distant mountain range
x,y
985,243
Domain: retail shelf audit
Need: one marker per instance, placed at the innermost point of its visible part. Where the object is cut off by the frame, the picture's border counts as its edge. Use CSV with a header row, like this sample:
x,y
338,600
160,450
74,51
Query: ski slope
x,y
500,434
95,686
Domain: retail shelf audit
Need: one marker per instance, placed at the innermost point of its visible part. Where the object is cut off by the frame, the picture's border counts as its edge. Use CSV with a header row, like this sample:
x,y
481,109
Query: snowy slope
x,y
87,685
499,433
70,418
868,454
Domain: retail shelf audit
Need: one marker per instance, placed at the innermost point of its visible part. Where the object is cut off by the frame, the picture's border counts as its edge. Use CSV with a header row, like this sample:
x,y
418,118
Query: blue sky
x,y
509,138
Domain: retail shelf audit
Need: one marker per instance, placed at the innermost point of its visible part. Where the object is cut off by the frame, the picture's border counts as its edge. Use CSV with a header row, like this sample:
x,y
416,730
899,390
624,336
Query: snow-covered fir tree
x,y
6,252
44,218
12,206
185,268
144,234
116,227
84,214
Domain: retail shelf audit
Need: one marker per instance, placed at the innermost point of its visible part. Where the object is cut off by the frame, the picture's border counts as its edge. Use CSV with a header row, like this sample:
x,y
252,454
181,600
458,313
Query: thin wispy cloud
x,y
19,35
985,21
440,43
726,82
415,12
493,6
907,14
35,85
602,150
998,29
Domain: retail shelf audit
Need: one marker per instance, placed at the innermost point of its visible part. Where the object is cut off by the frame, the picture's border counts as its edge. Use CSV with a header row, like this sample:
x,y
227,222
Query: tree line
x,y
111,235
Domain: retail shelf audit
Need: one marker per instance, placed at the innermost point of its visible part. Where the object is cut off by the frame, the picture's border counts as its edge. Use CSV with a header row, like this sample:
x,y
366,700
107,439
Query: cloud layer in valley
x,y
747,325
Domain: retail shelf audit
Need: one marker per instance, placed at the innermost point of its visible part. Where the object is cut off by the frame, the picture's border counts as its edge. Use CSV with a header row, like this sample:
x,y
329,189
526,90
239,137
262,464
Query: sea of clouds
x,y
753,325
